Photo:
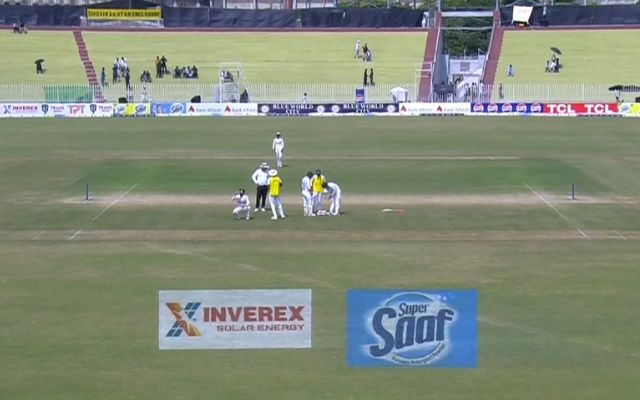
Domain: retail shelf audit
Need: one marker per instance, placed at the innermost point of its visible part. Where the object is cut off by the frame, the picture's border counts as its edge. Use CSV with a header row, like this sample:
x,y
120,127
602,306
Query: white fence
x,y
315,93
258,93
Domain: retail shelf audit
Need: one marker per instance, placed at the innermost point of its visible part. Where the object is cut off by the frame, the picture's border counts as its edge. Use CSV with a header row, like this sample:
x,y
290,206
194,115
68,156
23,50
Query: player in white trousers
x,y
335,195
278,148
316,191
274,194
243,205
307,204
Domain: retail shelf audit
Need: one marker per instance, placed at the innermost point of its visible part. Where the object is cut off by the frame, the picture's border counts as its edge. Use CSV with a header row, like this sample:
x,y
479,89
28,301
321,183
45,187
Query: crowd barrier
x,y
181,109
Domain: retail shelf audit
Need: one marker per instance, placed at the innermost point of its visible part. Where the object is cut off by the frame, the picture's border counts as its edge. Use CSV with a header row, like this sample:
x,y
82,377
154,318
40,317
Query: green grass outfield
x,y
300,57
79,282
601,56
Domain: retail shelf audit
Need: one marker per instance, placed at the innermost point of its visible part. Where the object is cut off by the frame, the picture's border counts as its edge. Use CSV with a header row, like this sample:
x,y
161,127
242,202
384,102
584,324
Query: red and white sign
x,y
234,319
581,109
221,109
434,108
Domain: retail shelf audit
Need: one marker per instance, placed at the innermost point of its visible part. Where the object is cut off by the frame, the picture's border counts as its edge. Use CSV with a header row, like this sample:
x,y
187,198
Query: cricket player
x,y
307,204
335,195
278,147
243,205
357,49
316,191
260,179
275,184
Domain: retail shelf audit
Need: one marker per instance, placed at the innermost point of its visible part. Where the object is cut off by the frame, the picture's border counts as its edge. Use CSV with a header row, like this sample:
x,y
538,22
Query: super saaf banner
x,y
234,319
411,328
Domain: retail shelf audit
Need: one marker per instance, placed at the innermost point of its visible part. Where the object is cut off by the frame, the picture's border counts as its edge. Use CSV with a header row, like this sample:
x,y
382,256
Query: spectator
x,y
38,63
115,73
163,65
364,79
500,92
510,71
103,77
127,79
194,72
371,82
158,67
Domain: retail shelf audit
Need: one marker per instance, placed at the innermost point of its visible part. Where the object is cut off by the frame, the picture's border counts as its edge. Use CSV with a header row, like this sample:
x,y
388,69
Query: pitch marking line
x,y
37,236
584,235
539,196
79,231
620,235
113,203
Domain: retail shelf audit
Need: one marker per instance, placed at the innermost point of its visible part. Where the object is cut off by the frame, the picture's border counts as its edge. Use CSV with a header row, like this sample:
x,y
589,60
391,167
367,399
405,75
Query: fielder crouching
x,y
335,196
243,205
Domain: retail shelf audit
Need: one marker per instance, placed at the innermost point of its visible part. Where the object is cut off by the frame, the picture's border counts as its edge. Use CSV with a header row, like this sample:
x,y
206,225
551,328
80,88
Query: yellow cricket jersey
x,y
316,183
274,186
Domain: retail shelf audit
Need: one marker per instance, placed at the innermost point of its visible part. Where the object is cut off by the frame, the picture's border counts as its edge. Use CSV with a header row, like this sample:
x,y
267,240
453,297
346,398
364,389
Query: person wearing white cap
x,y
335,195
260,178
243,205
274,194
278,147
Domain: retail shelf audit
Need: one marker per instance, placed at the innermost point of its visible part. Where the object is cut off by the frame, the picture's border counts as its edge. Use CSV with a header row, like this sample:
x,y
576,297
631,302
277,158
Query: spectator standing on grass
x,y
103,77
158,68
371,82
364,79
127,79
163,65
510,71
260,178
114,70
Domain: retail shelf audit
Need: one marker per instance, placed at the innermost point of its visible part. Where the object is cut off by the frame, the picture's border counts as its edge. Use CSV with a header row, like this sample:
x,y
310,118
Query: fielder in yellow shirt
x,y
275,184
317,182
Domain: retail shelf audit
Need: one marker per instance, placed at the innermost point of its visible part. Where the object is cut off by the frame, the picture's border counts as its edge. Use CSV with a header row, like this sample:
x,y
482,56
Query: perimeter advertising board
x,y
417,328
327,109
234,319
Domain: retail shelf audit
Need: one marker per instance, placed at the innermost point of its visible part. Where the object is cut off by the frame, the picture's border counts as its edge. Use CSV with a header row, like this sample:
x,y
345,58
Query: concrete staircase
x,y
495,48
429,61
92,77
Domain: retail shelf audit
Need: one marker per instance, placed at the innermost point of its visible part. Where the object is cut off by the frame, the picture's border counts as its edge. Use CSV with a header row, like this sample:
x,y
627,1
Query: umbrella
x,y
39,60
556,50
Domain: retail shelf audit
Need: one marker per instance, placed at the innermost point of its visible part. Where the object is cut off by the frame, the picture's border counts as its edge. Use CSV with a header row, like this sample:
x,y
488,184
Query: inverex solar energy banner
x,y
234,319
411,328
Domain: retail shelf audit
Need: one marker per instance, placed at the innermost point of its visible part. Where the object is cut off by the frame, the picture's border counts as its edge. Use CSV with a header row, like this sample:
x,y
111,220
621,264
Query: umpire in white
x,y
261,179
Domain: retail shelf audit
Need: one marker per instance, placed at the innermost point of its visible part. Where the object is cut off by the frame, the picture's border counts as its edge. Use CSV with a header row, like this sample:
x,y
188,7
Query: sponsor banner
x,y
417,328
81,110
234,319
434,108
132,110
328,109
237,110
22,110
581,109
168,109
629,109
129,14
507,108
221,109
